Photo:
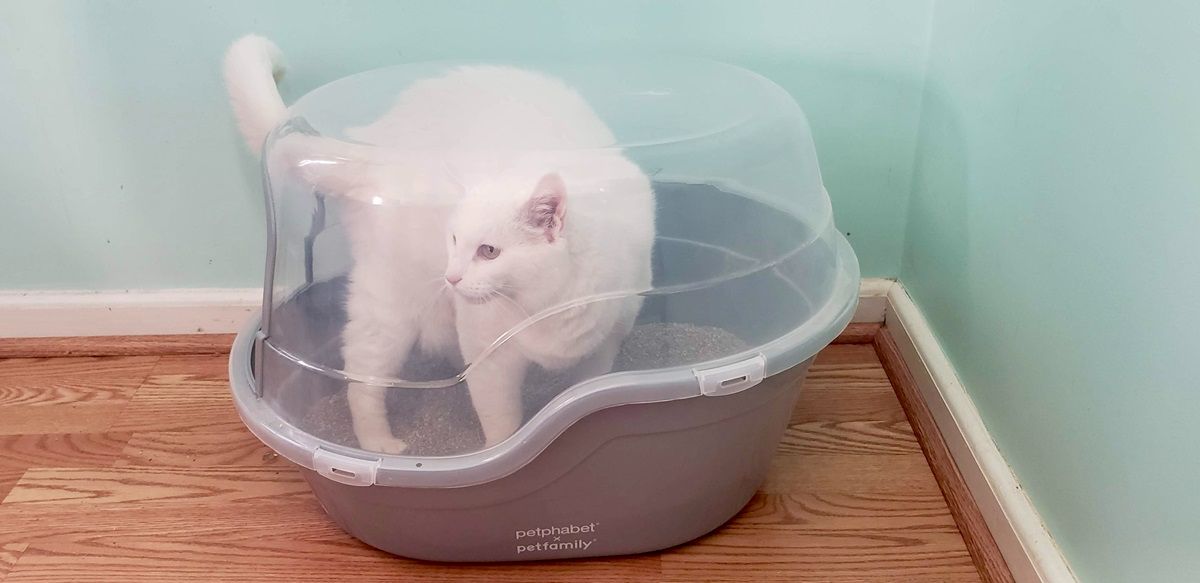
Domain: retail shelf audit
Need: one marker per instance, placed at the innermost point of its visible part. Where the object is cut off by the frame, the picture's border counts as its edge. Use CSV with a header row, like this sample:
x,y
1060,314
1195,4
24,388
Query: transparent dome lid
x,y
461,252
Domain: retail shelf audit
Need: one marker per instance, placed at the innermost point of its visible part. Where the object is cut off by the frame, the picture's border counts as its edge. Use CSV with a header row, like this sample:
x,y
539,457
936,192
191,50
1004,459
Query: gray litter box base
x,y
629,479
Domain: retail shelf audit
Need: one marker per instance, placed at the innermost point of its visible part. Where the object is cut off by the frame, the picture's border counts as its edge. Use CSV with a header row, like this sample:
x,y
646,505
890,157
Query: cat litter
x,y
441,422
538,310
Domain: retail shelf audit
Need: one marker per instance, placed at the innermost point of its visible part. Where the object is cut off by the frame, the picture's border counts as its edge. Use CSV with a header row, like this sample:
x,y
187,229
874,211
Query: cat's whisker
x,y
496,292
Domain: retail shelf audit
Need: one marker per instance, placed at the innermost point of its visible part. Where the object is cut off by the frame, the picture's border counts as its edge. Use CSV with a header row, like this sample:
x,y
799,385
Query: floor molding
x,y
56,314
986,554
872,299
33,314
1006,511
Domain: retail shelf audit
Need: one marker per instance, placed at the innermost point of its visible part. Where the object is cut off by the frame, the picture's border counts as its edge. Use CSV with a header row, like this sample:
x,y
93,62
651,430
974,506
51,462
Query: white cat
x,y
541,216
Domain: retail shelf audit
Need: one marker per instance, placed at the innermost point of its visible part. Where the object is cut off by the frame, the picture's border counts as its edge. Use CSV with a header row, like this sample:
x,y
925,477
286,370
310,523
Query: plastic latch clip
x,y
731,378
345,469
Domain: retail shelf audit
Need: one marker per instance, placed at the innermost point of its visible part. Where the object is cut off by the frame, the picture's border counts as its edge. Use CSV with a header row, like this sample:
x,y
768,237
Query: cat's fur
x,y
540,213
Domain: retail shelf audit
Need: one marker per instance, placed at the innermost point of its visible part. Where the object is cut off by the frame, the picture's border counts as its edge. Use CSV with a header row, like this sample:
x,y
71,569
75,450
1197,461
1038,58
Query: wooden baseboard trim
x,y
1007,511
157,345
984,552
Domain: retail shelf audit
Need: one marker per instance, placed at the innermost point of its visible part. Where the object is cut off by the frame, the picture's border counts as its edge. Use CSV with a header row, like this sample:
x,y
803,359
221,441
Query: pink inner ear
x,y
547,206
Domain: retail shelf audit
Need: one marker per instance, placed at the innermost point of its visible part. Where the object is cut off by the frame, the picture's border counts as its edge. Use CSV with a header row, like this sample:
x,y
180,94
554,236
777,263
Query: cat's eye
x,y
487,252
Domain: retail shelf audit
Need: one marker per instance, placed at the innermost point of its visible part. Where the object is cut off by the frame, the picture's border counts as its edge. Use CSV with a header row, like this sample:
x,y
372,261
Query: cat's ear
x,y
546,209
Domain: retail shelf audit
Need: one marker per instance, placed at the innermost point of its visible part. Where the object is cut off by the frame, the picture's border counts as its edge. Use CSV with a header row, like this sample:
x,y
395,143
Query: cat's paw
x,y
383,444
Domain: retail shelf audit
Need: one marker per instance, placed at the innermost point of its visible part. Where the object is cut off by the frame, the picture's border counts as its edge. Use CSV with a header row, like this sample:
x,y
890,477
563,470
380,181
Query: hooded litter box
x,y
581,339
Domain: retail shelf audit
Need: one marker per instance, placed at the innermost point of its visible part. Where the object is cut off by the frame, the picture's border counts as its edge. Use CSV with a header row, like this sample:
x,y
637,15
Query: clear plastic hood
x,y
456,248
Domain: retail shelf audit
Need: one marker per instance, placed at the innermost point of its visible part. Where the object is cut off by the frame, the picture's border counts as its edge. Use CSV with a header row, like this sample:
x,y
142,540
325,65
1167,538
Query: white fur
x,y
253,94
490,156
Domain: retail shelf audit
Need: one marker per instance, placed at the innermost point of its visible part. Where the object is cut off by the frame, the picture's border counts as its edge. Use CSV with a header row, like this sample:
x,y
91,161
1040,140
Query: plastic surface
x,y
629,479
747,269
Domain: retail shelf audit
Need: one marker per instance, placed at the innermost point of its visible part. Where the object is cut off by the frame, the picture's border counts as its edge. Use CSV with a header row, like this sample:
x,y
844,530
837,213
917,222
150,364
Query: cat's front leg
x,y
375,348
368,412
495,385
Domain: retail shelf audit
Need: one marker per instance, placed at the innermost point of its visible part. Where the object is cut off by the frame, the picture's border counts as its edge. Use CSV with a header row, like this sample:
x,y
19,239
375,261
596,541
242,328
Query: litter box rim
x,y
359,467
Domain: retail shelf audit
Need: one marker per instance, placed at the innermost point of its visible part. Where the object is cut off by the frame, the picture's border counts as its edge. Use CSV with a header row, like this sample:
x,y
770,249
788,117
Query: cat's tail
x,y
253,65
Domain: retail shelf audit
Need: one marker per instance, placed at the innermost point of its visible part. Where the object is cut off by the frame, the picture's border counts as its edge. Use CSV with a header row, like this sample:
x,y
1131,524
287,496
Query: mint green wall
x,y
1054,243
121,167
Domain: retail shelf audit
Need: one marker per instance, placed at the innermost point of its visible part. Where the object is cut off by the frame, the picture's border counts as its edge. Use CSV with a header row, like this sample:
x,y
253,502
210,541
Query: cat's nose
x,y
453,279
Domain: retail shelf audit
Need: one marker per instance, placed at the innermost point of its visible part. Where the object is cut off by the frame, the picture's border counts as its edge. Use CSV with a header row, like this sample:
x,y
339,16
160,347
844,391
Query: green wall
x,y
1054,242
122,169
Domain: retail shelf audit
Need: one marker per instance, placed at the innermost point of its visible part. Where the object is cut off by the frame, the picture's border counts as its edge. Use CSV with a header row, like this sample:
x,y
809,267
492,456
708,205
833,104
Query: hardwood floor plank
x,y
70,449
127,370
293,518
859,333
830,537
800,564
831,404
860,355
847,384
183,393
637,568
8,479
208,367
182,449
87,417
9,553
852,511
133,484
67,395
846,378
851,474
850,438
289,562
25,392
20,452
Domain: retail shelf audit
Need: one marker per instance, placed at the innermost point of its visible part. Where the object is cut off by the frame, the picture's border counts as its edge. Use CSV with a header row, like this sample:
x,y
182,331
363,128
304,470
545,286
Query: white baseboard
x,y
872,300
1014,522
26,314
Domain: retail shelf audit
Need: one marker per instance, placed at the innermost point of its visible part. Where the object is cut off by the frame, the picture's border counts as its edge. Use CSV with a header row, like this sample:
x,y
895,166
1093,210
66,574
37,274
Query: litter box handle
x,y
351,471
731,378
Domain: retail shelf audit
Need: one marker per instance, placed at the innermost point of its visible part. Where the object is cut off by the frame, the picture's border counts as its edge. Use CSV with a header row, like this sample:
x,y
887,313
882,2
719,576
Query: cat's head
x,y
507,239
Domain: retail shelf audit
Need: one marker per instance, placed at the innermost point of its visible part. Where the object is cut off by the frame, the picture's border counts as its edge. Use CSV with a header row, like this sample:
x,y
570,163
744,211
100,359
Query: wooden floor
x,y
136,468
